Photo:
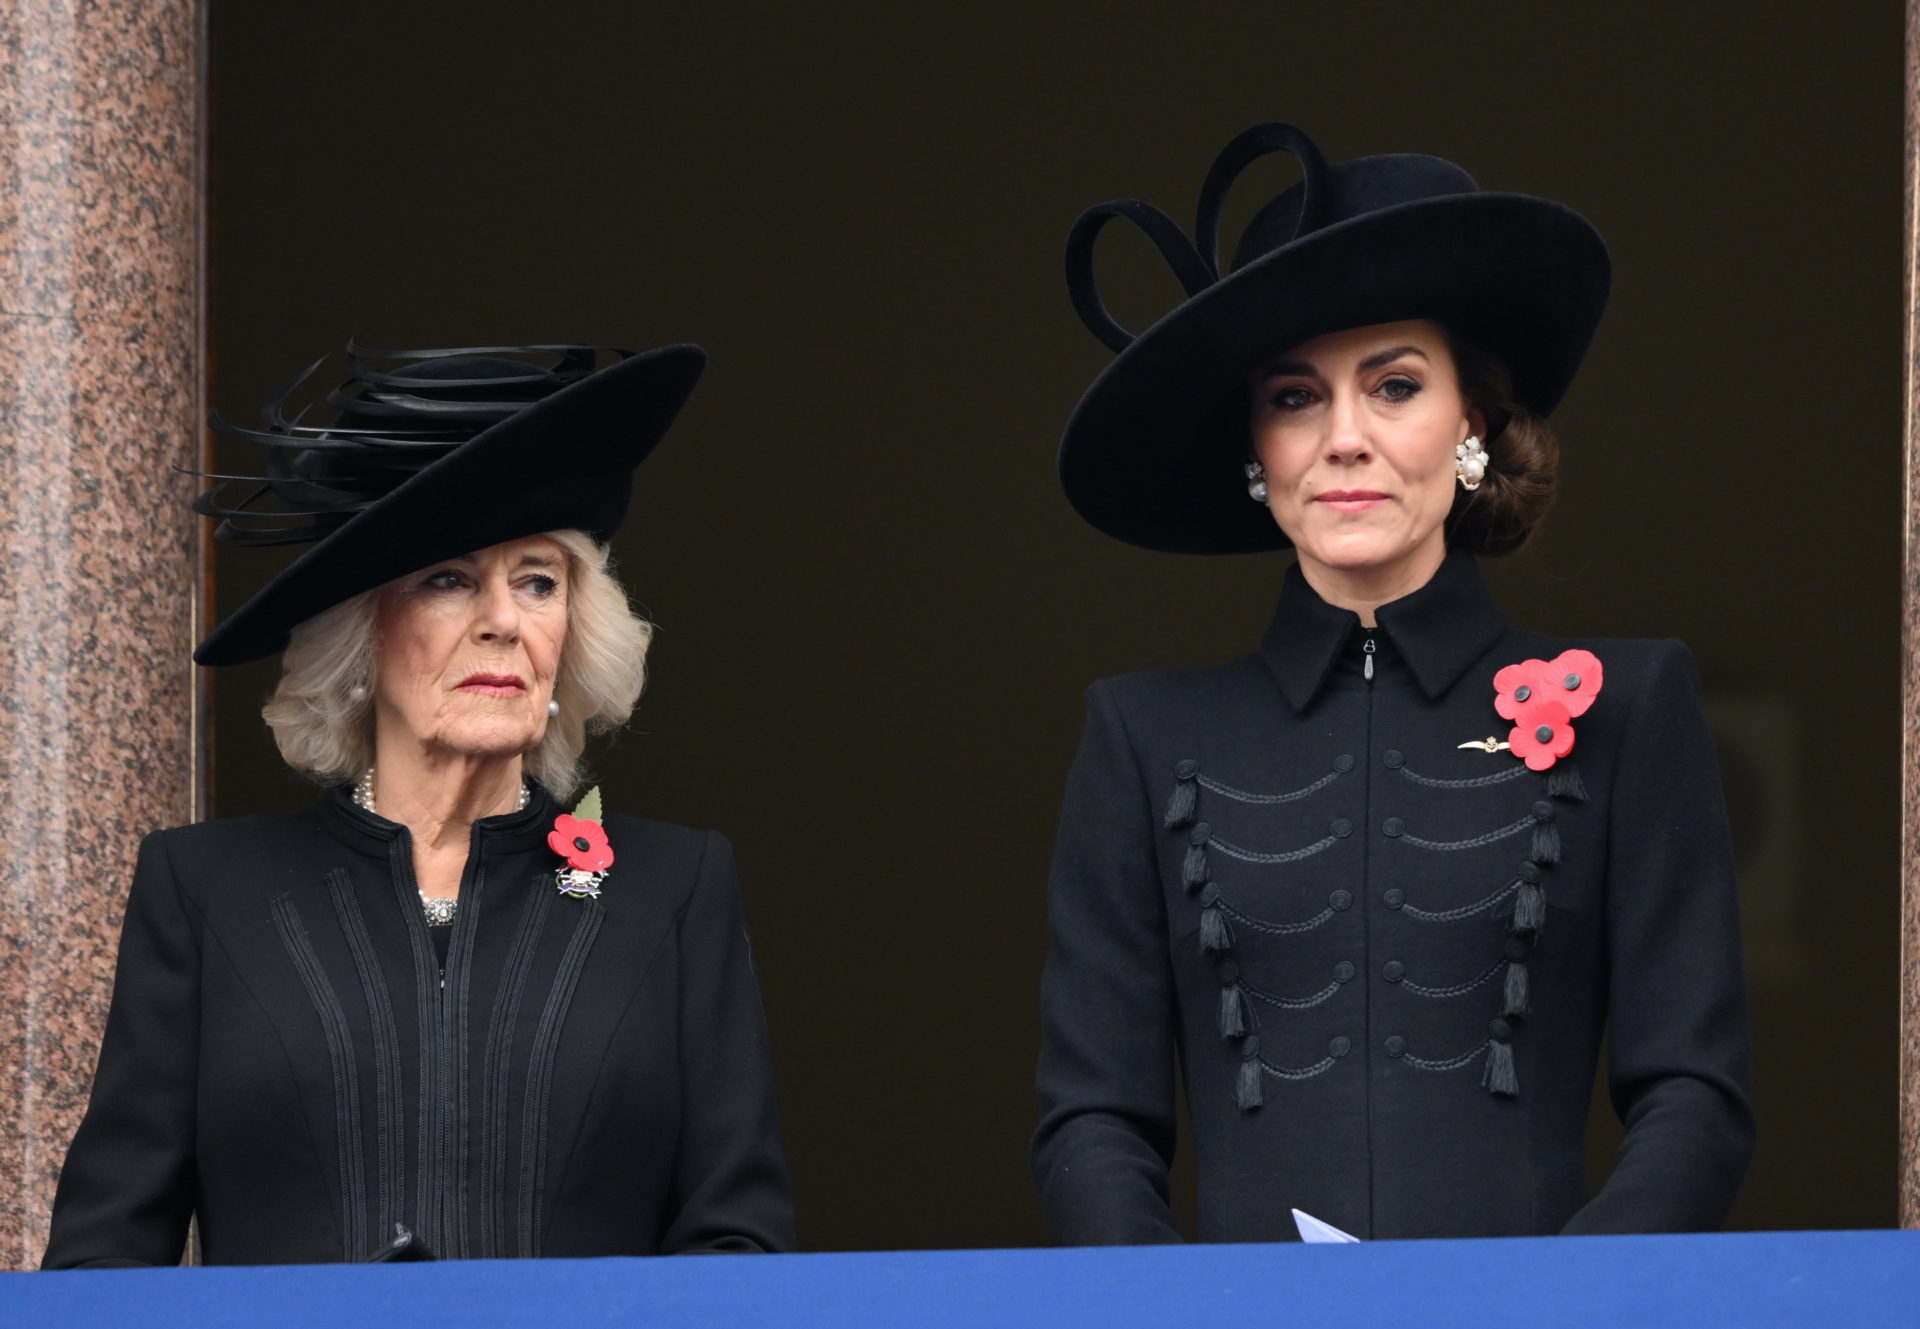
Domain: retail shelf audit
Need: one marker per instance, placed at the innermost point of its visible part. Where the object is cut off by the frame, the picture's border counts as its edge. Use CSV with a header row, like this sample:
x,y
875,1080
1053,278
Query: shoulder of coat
x,y
264,830
1159,688
662,840
1618,654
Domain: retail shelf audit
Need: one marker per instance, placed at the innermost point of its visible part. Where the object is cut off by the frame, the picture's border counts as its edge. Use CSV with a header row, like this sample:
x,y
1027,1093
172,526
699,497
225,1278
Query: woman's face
x,y
469,648
1357,432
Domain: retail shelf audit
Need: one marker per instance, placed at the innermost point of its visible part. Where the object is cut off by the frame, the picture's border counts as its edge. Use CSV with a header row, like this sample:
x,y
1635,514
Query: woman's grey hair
x,y
321,713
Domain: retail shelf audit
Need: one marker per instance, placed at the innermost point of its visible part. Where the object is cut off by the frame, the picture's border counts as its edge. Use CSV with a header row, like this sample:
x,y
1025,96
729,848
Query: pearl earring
x,y
1470,463
357,693
553,709
1256,482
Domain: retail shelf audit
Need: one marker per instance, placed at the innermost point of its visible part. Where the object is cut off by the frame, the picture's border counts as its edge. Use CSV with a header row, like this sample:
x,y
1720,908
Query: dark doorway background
x,y
878,614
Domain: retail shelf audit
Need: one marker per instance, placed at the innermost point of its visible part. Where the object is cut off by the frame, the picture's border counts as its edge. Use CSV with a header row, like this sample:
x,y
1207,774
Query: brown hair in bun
x,y
1523,468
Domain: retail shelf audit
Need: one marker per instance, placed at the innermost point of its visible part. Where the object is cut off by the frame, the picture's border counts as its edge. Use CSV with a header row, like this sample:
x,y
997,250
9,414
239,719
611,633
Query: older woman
x,y
437,1013
1353,885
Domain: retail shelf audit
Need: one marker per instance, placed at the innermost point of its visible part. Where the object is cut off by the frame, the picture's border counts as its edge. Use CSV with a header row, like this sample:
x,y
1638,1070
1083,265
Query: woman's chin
x,y
1359,552
488,740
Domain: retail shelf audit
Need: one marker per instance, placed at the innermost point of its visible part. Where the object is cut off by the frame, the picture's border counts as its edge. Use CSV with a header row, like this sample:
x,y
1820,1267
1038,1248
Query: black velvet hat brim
x,y
1154,452
564,463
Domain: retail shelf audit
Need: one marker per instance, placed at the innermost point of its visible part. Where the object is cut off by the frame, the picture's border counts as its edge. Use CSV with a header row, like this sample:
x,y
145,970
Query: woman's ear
x,y
1477,423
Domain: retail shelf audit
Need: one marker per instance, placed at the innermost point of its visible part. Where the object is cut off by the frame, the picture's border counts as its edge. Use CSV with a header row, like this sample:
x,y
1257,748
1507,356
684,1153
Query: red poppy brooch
x,y
579,838
1543,698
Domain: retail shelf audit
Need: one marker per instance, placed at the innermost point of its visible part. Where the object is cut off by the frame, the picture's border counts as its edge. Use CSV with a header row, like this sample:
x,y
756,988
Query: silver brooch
x,y
580,885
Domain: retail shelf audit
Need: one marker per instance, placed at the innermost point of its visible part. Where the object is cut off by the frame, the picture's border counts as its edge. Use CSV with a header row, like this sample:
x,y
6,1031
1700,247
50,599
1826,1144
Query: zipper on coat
x,y
1369,790
451,1135
436,1215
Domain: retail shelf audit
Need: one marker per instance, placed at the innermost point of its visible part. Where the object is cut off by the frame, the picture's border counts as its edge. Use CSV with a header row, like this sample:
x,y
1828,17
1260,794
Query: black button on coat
x,y
283,1058
1393,1029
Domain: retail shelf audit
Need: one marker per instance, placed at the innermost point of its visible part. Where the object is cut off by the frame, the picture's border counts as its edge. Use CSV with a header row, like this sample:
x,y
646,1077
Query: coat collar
x,y
370,833
1439,630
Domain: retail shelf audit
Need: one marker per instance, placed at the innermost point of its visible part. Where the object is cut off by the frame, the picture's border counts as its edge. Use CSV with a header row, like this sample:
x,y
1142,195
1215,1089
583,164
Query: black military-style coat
x,y
1382,961
285,1056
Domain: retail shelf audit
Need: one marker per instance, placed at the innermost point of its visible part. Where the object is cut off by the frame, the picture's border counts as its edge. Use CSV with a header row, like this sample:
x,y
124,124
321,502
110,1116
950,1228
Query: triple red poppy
x,y
1542,698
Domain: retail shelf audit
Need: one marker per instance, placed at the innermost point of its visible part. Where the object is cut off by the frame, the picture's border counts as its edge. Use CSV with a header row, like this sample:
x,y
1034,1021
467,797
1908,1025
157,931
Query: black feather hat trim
x,y
1154,452
437,454
389,425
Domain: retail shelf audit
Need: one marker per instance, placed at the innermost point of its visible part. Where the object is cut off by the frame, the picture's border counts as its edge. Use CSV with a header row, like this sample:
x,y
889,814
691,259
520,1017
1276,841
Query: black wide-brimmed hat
x,y
1154,453
443,453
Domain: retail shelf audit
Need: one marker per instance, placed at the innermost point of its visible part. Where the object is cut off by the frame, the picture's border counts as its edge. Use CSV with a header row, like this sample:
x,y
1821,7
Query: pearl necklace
x,y
439,910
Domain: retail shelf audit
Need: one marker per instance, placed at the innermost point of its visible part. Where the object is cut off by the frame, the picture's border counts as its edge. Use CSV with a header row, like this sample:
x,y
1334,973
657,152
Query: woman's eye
x,y
444,581
1292,399
542,585
1399,389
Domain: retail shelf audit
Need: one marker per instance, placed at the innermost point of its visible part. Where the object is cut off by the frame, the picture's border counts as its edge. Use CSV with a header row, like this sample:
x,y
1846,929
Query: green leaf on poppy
x,y
588,808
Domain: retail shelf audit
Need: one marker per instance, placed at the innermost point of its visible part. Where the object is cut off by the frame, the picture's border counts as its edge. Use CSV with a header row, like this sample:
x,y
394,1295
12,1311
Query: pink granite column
x,y
99,403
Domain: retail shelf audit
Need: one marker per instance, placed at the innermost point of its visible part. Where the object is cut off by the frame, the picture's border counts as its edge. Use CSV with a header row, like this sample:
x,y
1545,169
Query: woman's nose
x,y
1346,438
497,616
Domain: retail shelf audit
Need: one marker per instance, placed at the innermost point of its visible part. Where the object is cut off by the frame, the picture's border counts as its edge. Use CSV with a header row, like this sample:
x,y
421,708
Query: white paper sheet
x,y
1313,1230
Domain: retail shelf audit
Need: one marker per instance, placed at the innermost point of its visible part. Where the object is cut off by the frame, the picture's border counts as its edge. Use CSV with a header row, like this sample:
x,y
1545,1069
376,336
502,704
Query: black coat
x,y
1296,882
284,1057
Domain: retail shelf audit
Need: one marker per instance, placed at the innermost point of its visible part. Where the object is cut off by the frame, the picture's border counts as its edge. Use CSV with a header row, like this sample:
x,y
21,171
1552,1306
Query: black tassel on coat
x,y
1193,872
1518,1002
1186,794
1215,934
1546,843
1233,1012
1563,781
1499,1078
1247,1092
1529,908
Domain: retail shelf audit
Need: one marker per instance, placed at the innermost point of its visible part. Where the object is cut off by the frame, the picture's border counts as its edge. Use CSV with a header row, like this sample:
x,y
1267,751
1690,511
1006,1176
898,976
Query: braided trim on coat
x,y
1290,856
1464,911
1458,989
346,1080
1320,1067
1490,837
1451,1063
546,1042
1275,929
1478,782
1242,796
496,1068
1290,1003
390,1126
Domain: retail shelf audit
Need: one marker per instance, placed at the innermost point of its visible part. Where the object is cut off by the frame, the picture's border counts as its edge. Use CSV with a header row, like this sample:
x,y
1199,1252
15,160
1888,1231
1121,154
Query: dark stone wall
x,y
878,614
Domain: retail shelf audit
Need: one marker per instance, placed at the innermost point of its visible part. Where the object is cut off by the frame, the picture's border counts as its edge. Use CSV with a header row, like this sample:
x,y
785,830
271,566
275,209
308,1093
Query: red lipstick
x,y
493,685
1350,500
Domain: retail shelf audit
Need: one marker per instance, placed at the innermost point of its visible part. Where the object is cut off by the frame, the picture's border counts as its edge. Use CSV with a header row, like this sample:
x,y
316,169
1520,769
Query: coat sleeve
x,y
1108,1007
127,1188
1678,1045
730,1187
